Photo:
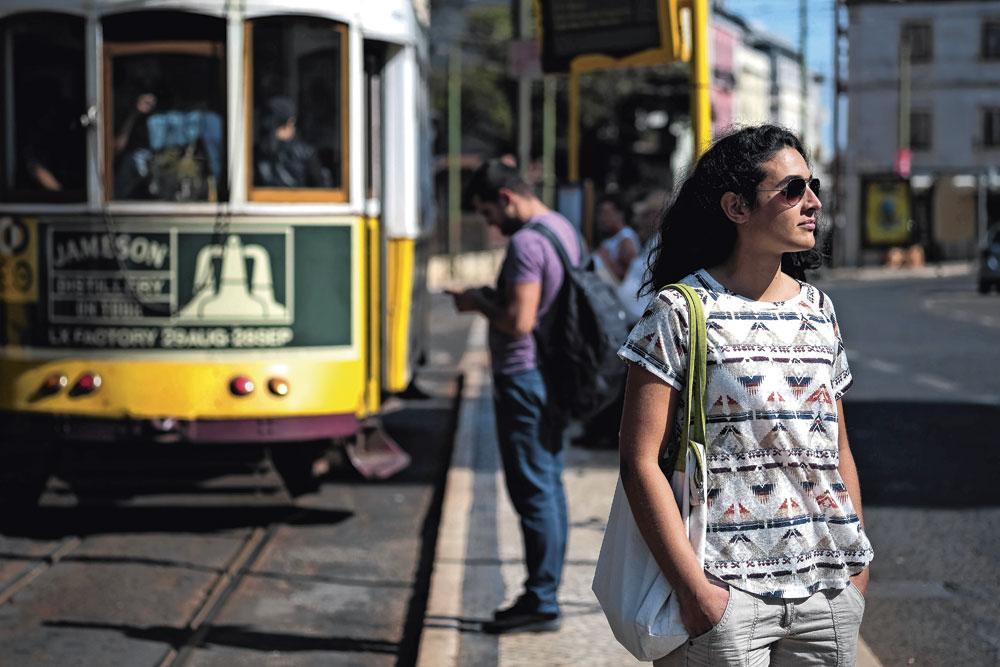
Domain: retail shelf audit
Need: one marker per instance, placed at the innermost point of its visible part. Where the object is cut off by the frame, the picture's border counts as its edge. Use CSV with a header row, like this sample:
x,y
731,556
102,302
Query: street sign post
x,y
903,163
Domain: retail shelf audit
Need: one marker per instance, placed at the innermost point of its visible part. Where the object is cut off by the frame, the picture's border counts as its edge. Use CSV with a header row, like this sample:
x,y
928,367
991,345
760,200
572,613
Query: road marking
x,y
985,399
941,307
935,382
884,366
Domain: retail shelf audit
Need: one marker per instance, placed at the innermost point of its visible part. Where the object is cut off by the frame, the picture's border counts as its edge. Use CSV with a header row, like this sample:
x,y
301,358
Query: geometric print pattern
x,y
780,521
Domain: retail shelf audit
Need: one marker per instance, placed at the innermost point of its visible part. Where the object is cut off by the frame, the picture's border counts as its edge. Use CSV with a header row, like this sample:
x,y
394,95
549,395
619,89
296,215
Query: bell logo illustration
x,y
234,296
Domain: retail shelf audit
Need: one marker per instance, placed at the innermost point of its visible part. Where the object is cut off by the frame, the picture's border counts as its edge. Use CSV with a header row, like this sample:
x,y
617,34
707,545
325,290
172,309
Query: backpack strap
x,y
697,376
560,249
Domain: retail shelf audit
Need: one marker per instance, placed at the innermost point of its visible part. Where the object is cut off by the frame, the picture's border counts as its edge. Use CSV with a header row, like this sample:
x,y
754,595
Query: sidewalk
x,y
480,268
872,273
478,564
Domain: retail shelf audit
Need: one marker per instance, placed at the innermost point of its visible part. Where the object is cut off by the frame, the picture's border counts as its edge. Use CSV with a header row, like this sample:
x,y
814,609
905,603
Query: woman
x,y
786,555
621,243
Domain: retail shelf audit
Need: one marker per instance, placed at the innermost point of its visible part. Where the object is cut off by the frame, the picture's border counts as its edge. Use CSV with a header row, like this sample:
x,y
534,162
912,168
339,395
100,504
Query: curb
x,y
440,639
879,273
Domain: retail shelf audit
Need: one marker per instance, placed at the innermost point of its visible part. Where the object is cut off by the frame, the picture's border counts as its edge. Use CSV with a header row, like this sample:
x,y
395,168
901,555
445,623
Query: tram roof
x,y
399,20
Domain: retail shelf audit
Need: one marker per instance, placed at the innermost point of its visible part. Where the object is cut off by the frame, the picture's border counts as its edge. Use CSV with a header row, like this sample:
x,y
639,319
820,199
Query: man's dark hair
x,y
488,179
279,110
618,202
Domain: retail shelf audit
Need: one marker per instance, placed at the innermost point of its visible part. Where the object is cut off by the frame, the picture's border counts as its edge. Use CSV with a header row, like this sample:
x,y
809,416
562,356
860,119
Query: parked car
x,y
989,261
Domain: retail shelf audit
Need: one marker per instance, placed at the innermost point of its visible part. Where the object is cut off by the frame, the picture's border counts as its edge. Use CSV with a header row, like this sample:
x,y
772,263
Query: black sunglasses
x,y
795,189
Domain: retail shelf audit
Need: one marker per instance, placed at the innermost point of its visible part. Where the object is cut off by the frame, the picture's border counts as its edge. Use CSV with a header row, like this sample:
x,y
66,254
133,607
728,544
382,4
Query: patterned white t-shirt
x,y
780,522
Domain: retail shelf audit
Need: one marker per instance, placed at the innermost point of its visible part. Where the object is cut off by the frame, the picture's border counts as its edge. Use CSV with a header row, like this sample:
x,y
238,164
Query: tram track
x,y
21,581
197,627
222,589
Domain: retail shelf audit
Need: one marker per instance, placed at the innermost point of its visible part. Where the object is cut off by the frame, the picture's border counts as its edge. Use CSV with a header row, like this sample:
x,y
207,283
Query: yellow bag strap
x,y
694,391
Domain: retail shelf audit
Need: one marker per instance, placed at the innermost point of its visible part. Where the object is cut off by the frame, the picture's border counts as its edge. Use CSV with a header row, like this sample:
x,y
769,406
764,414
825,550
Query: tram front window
x,y
43,142
167,97
299,123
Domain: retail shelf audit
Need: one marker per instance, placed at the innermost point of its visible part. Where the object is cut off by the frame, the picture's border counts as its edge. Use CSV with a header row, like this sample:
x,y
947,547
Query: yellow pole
x,y
574,127
701,115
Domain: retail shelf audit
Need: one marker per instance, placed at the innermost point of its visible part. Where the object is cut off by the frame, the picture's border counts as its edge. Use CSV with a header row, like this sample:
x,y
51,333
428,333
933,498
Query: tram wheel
x,y
298,465
24,471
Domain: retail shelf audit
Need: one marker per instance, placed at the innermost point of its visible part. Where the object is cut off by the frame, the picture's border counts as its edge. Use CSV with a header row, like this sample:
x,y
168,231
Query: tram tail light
x,y
87,383
241,385
53,384
278,386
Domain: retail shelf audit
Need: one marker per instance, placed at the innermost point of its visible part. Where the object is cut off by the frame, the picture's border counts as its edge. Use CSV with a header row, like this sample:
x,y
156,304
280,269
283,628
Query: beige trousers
x,y
819,630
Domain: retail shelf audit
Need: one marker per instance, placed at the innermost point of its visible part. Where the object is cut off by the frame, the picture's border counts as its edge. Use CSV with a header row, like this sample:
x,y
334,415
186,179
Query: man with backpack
x,y
529,427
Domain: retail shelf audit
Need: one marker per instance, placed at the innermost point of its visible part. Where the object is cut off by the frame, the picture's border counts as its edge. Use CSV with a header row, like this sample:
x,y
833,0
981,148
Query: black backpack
x,y
578,339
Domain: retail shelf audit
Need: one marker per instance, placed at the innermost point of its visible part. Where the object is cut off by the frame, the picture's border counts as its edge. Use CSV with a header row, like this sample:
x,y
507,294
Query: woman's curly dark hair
x,y
695,232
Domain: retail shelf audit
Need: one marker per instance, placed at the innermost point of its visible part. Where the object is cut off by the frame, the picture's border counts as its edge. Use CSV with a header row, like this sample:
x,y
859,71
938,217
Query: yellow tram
x,y
213,216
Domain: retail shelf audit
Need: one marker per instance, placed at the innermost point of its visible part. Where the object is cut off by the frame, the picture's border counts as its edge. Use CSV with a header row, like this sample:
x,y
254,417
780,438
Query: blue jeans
x,y
531,447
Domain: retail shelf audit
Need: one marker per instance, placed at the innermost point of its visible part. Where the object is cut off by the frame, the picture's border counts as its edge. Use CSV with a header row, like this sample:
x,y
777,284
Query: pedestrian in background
x,y
601,430
529,432
620,246
786,557
646,219
282,158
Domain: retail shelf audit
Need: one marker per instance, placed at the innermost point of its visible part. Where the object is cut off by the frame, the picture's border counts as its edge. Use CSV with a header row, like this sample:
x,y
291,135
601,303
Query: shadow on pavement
x,y
462,624
238,636
49,523
924,454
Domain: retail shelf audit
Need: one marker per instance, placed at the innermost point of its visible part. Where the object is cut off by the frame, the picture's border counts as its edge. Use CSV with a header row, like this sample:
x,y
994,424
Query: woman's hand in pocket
x,y
704,610
860,581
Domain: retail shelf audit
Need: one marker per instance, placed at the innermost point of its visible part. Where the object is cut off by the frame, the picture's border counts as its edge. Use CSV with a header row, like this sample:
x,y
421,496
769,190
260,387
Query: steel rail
x,y
48,561
222,590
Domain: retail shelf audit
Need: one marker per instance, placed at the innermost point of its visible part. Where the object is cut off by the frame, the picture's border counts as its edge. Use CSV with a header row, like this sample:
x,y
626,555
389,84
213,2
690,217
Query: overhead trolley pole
x,y
701,112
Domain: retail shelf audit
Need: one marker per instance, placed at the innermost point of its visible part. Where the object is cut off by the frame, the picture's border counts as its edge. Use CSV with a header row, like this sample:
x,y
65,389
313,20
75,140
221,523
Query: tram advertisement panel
x,y
186,287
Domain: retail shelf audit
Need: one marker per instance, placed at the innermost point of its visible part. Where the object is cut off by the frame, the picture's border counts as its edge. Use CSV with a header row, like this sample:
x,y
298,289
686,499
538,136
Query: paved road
x,y
337,577
922,420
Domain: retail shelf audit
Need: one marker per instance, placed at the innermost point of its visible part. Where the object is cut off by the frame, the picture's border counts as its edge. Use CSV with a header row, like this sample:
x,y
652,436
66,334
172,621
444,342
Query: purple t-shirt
x,y
531,258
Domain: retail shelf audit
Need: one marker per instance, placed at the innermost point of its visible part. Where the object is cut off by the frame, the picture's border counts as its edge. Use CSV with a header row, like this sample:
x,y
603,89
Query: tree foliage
x,y
487,91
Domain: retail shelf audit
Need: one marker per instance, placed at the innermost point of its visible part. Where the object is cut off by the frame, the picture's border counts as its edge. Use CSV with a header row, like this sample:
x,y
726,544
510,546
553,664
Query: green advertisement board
x,y
189,287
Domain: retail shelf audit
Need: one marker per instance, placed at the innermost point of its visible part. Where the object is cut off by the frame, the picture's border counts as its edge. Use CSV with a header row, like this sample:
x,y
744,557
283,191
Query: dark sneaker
x,y
522,622
526,604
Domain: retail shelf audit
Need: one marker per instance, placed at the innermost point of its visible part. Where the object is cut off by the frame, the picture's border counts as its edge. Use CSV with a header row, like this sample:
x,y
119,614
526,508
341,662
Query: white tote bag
x,y
636,597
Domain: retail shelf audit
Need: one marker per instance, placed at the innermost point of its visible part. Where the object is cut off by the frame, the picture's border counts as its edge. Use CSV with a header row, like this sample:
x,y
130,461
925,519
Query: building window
x,y
297,119
42,142
991,40
991,127
165,89
918,37
920,130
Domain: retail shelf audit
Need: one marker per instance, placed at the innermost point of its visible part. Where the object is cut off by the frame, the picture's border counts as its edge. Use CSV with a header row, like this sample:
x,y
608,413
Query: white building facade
x,y
954,127
767,83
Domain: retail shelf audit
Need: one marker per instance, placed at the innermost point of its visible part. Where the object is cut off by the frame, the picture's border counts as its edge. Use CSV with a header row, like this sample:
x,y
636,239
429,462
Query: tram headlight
x,y
278,386
241,385
87,383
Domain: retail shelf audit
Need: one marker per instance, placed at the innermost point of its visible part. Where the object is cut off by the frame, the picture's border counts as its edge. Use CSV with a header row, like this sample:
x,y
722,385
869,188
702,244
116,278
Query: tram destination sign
x,y
188,287
572,28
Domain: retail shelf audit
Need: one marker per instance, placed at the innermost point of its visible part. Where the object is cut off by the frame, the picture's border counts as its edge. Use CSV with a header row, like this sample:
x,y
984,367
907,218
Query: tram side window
x,y
299,99
166,93
42,99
